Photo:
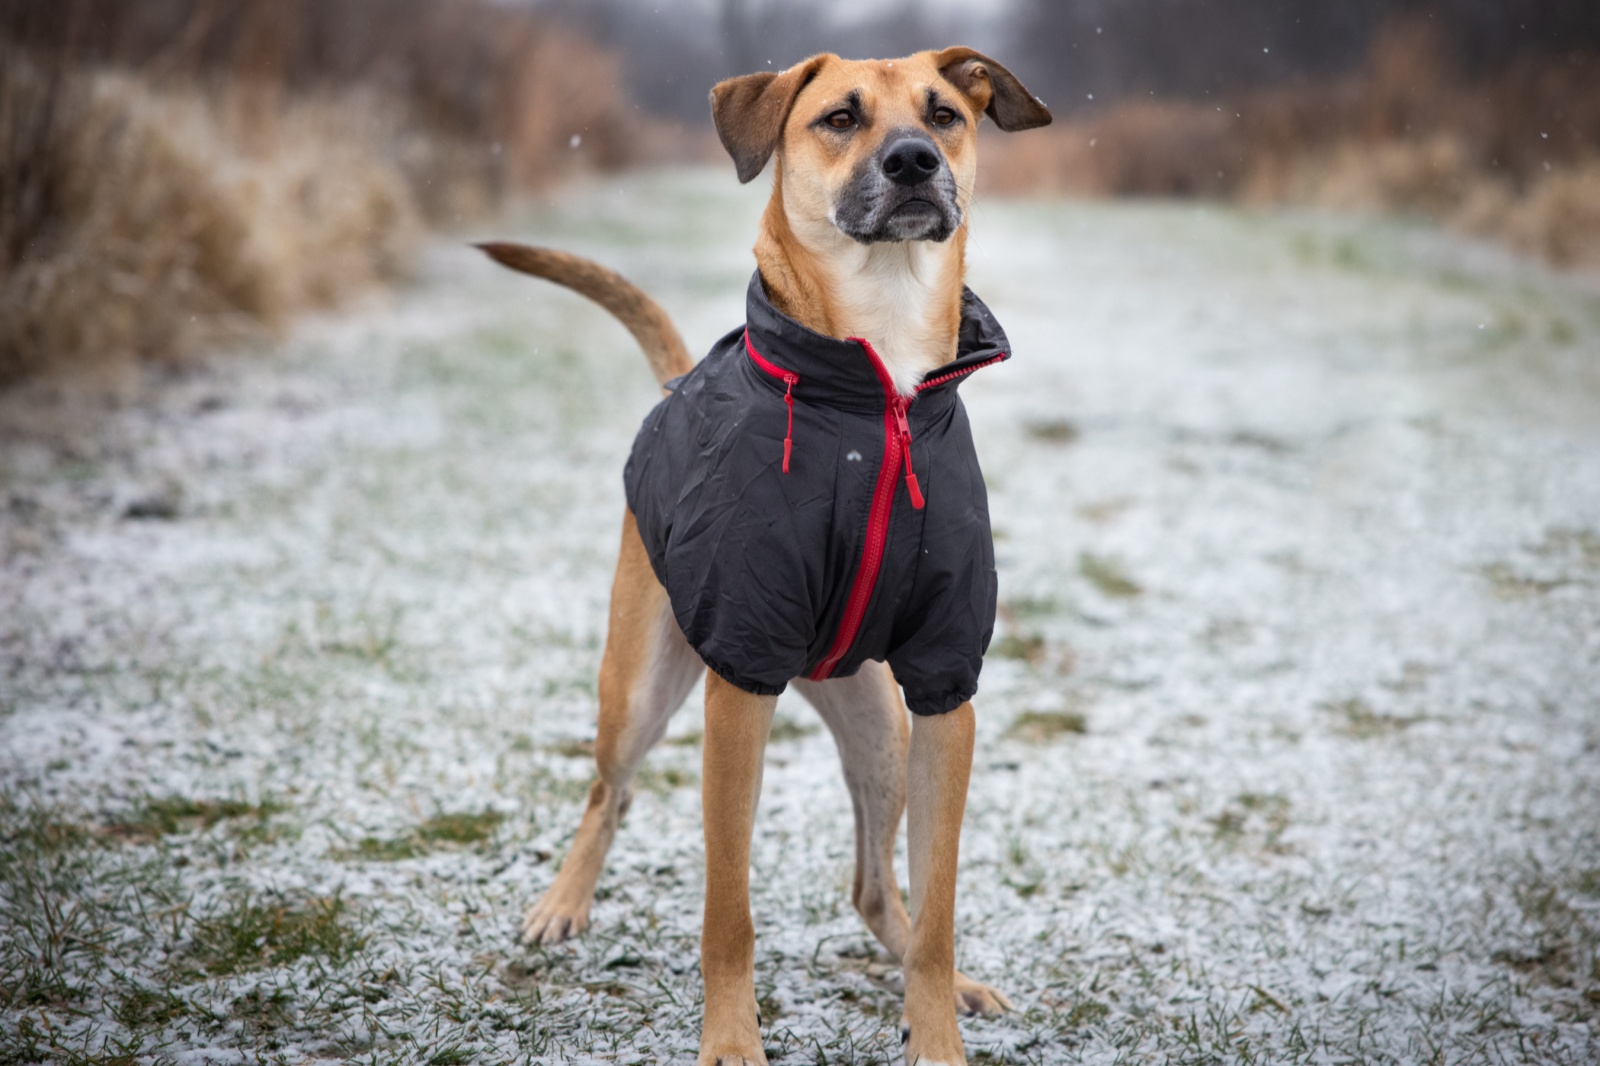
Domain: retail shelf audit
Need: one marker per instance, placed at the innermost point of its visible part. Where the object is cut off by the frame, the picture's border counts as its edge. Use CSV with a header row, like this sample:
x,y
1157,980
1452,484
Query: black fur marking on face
x,y
872,207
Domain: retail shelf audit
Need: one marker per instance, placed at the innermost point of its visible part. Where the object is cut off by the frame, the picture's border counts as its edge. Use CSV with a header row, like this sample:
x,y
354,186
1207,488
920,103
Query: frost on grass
x,y
1289,739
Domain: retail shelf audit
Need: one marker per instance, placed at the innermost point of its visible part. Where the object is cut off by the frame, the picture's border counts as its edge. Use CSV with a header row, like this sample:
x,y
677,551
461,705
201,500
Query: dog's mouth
x,y
916,219
916,207
889,218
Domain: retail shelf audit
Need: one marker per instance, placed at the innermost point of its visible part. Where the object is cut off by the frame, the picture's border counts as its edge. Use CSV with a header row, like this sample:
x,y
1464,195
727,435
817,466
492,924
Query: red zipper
x,y
896,444
896,451
790,380
942,378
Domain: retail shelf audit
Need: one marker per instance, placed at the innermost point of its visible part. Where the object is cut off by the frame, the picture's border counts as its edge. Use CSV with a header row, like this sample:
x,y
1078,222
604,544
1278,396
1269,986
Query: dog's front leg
x,y
936,793
737,725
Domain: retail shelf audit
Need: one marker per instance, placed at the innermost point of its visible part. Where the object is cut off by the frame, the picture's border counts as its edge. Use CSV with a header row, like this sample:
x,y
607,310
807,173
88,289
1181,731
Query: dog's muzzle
x,y
902,192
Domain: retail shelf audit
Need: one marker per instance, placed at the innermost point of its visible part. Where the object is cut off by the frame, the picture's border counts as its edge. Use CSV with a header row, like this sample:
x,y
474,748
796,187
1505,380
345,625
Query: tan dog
x,y
864,237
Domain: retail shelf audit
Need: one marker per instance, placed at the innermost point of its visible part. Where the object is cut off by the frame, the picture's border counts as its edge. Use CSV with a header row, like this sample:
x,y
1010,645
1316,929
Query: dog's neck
x,y
904,297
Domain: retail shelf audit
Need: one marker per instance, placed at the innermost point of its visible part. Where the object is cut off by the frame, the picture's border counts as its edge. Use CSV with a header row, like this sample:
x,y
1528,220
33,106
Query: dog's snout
x,y
903,191
910,161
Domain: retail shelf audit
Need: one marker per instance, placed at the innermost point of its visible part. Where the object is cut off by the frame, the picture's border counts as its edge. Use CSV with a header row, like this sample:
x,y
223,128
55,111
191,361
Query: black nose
x,y
910,161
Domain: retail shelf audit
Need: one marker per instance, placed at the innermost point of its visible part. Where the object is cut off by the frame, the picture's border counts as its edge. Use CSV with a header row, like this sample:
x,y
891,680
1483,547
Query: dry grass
x,y
1558,218
1514,156
164,225
178,171
1165,148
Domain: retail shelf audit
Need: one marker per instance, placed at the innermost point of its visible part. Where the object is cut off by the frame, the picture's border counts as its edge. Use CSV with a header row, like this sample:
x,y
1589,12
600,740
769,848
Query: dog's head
x,y
885,150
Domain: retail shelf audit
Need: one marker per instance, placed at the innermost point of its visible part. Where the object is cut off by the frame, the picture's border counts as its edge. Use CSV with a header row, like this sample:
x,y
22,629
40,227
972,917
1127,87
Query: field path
x,y
1289,741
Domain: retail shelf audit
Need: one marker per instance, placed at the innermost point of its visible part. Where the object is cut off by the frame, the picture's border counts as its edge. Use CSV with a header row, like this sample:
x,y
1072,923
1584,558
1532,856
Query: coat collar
x,y
839,372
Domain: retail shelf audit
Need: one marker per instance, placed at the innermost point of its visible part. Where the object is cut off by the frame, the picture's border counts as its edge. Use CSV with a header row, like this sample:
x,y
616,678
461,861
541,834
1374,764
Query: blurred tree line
x,y
1067,50
677,49
1115,48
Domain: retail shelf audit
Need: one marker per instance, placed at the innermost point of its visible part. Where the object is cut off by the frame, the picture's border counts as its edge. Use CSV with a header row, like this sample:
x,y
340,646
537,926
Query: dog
x,y
826,560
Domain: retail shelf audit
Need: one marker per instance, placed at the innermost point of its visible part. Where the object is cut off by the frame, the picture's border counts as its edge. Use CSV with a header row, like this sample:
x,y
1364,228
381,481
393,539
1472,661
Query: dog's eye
x,y
943,116
840,120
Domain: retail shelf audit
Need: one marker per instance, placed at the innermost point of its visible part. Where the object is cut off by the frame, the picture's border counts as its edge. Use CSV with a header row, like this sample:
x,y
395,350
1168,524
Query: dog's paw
x,y
552,920
728,1037
731,1053
973,998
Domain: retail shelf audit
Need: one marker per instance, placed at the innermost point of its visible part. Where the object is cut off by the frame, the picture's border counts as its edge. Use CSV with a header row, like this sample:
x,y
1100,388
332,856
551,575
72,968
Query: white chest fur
x,y
889,293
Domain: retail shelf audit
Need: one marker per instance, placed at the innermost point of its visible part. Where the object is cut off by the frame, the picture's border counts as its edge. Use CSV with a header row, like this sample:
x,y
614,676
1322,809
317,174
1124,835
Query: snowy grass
x,y
1289,742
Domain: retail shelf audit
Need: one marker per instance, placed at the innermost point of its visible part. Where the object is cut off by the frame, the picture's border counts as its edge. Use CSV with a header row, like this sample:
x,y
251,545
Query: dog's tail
x,y
645,319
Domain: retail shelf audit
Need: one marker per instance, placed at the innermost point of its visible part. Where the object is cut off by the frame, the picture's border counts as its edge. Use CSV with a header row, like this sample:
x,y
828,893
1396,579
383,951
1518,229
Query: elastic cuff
x,y
944,703
755,688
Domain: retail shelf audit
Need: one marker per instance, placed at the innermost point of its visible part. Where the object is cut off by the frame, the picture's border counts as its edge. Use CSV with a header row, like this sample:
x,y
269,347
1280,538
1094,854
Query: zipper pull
x,y
911,483
900,405
789,380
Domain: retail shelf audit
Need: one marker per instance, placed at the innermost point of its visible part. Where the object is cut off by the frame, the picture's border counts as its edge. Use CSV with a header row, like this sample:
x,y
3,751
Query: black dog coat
x,y
804,517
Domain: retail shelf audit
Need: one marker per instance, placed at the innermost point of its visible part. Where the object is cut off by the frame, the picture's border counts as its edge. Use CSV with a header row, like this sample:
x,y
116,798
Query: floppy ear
x,y
992,89
750,111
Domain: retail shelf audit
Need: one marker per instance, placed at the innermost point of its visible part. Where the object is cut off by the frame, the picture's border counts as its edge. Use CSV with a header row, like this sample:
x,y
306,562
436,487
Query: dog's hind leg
x,y
645,673
868,721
